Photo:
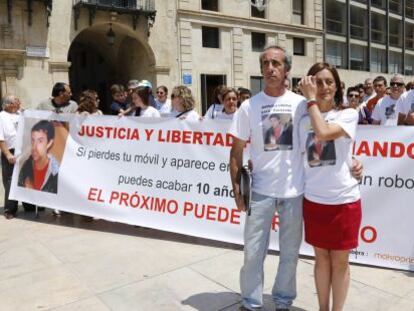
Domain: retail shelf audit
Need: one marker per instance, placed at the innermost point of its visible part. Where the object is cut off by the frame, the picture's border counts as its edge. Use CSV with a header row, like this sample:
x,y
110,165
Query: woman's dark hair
x,y
58,88
321,66
144,93
227,91
164,88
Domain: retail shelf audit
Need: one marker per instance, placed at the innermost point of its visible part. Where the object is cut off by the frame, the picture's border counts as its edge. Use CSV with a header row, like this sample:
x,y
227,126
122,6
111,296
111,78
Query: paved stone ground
x,y
66,263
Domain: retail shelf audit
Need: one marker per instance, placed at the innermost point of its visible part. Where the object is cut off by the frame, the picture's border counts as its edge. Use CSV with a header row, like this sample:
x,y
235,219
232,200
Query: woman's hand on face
x,y
307,86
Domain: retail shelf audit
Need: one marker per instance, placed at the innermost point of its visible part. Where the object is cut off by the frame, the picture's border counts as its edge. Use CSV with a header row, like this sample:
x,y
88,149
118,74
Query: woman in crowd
x,y
217,106
141,104
332,206
88,103
183,103
163,103
230,102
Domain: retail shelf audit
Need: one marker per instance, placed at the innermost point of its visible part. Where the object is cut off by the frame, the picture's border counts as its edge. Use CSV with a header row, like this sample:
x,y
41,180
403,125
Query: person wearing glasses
x,y
183,103
353,96
384,111
162,102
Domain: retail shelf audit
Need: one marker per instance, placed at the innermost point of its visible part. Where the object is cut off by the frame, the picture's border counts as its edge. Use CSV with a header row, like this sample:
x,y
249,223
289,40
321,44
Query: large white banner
x,y
173,175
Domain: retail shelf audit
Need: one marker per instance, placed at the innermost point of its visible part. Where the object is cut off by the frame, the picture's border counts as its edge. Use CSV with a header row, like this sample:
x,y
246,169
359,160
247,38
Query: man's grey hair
x,y
397,76
7,100
288,57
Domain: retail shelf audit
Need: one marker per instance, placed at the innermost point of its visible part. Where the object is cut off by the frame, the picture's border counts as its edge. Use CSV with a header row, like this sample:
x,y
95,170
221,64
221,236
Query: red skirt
x,y
334,227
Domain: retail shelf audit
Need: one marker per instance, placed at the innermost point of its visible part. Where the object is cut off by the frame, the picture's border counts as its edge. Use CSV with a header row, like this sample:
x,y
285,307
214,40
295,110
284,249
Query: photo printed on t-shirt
x,y
320,153
277,127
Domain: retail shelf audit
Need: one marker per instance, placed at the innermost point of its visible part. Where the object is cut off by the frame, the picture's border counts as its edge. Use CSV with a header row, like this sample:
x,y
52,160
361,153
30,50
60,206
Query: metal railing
x,y
145,5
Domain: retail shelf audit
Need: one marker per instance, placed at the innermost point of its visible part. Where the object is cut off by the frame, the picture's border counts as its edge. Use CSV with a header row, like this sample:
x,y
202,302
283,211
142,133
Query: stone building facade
x,y
194,42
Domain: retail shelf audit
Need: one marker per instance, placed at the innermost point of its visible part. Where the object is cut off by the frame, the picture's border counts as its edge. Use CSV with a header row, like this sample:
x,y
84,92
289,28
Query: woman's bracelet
x,y
311,102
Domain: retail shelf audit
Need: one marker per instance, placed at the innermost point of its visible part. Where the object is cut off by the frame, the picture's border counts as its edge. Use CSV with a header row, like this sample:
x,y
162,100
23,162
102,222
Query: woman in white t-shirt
x,y
141,104
332,205
230,98
183,103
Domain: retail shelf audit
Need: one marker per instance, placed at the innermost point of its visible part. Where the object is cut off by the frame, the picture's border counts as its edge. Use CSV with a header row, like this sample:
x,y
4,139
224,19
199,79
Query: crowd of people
x,y
300,157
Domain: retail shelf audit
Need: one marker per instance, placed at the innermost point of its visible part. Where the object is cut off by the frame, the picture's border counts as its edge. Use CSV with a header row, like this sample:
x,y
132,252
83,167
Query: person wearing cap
x,y
148,85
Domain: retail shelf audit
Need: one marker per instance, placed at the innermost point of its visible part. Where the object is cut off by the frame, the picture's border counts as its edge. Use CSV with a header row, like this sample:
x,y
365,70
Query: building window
x,y
359,29
395,6
255,12
299,46
395,62
358,57
335,17
209,5
379,3
395,32
258,41
208,85
336,54
409,36
256,84
378,63
297,10
409,65
210,37
378,28
409,8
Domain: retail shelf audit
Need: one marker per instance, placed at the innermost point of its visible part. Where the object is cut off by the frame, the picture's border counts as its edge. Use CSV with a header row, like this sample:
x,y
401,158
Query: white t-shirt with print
x,y
8,128
328,178
213,111
405,103
384,111
274,150
150,112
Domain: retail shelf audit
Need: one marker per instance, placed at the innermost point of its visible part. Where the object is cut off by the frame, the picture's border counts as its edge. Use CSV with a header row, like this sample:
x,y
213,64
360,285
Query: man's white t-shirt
x,y
222,115
8,128
405,103
384,111
150,112
213,111
274,148
328,178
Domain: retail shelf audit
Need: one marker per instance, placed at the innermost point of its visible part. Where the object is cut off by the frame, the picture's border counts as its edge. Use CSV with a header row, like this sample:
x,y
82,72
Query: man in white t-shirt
x,y
405,108
277,181
385,110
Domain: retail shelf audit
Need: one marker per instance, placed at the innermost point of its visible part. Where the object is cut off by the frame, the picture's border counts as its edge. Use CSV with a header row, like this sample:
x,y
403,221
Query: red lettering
x,y
397,150
223,214
187,207
92,194
378,148
211,212
198,138
114,196
275,222
235,217
410,151
364,149
186,137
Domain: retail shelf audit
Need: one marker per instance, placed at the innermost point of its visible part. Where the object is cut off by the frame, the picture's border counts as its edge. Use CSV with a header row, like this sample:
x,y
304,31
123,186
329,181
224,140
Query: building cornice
x,y
248,23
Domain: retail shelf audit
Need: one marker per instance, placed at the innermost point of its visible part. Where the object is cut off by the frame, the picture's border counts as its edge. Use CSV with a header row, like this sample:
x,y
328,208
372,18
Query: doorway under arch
x,y
96,65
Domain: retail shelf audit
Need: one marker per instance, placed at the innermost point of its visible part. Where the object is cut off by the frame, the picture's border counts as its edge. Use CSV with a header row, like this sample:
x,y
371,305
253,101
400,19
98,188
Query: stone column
x,y
238,73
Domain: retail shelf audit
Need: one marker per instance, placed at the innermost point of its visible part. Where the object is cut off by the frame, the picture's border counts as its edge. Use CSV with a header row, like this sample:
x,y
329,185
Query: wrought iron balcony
x,y
135,8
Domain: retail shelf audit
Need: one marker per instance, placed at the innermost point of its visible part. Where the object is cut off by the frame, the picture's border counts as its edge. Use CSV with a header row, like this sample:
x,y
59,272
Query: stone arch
x,y
97,65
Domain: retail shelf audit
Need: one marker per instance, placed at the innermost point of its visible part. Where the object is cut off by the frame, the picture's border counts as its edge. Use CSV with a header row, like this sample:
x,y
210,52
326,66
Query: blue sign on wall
x,y
187,79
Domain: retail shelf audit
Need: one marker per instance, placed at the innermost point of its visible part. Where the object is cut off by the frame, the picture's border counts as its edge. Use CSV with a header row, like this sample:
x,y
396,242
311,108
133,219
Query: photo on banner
x,y
44,144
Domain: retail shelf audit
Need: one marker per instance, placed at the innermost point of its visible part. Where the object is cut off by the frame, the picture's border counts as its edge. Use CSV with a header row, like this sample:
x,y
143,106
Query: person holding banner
x,y
229,96
9,118
332,205
141,97
183,103
277,183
